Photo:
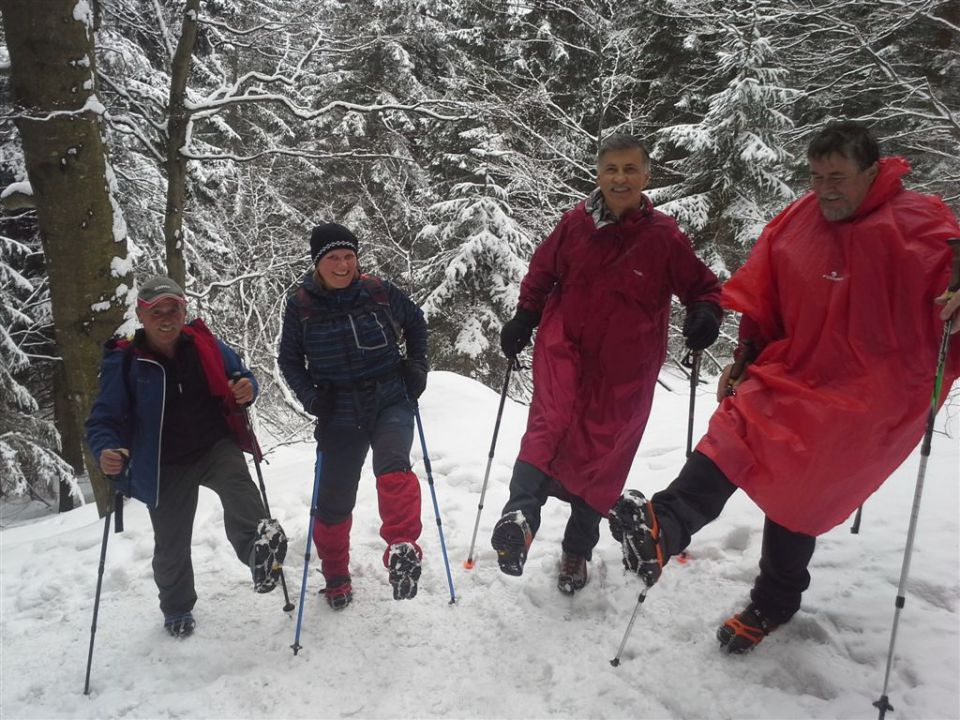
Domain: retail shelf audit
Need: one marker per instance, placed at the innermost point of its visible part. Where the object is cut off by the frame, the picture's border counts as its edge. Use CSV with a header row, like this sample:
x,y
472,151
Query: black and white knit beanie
x,y
331,236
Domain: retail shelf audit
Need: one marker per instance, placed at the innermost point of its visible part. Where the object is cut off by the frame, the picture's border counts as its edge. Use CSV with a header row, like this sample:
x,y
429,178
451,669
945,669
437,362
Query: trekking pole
x,y
855,528
692,361
433,495
883,704
513,362
287,605
633,618
118,506
306,554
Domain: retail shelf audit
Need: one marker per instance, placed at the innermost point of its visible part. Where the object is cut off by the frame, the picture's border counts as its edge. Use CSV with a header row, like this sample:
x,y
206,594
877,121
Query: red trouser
x,y
398,496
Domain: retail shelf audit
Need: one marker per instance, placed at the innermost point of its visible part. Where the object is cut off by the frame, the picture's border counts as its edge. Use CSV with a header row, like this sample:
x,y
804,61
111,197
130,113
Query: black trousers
x,y
223,469
696,497
529,490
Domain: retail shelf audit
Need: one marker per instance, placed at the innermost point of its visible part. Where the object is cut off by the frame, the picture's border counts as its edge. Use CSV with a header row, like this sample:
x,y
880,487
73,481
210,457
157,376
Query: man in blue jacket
x,y
168,419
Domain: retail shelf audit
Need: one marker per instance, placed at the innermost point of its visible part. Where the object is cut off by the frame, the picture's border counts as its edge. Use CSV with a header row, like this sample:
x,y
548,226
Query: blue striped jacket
x,y
348,338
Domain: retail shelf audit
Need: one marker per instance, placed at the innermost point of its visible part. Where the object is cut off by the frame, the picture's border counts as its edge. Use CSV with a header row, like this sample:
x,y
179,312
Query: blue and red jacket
x,y
128,411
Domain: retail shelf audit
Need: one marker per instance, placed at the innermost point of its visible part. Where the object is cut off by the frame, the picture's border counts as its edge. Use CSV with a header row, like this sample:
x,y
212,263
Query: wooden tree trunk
x,y
83,236
178,123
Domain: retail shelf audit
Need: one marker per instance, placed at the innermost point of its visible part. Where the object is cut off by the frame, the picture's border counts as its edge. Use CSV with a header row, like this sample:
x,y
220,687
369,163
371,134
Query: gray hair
x,y
622,141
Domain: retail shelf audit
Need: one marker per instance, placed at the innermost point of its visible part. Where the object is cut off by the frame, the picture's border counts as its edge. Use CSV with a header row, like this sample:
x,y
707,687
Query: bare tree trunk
x,y
178,123
53,80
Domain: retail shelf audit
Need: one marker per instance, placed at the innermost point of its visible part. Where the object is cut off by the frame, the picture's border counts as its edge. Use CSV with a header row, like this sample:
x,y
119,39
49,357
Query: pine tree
x,y
30,463
473,277
731,168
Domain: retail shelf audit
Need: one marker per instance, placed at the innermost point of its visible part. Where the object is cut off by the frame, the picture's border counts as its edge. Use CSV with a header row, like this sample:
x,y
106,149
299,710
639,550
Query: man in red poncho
x,y
599,287
840,322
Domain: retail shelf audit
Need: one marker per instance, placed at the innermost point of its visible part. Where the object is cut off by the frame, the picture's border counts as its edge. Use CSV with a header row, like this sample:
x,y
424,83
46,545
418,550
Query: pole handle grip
x,y
748,354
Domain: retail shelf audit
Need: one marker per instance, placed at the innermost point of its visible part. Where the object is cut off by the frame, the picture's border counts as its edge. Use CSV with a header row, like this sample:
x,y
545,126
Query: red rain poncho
x,y
840,393
605,296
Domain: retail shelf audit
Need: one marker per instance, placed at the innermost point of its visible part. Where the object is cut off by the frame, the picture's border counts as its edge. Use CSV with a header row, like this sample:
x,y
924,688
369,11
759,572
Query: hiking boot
x,y
404,565
179,625
338,592
511,539
573,573
744,631
266,558
634,525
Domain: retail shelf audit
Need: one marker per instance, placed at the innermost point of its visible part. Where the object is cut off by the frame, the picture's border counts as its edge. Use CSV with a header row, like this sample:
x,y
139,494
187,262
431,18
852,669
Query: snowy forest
x,y
204,139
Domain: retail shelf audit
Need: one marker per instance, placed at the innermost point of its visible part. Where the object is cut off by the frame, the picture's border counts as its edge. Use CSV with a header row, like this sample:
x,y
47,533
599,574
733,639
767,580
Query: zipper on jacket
x,y
163,404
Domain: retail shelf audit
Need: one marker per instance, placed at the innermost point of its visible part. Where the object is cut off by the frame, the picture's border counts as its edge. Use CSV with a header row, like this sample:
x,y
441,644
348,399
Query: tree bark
x,y
178,124
83,237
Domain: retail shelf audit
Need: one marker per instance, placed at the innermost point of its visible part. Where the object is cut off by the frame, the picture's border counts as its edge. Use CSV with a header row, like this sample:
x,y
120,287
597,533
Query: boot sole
x,y
405,572
511,549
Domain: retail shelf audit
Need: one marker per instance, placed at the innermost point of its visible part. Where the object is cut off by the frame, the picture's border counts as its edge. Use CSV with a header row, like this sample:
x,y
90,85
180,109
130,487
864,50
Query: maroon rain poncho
x,y
605,296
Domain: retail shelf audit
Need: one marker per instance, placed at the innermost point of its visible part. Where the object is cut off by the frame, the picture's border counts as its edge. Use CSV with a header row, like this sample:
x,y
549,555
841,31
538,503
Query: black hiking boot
x,y
404,564
573,573
266,558
511,539
338,592
634,525
744,631
179,625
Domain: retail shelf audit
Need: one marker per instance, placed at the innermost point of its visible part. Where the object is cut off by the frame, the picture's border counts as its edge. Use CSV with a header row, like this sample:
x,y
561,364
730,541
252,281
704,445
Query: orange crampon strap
x,y
655,532
751,633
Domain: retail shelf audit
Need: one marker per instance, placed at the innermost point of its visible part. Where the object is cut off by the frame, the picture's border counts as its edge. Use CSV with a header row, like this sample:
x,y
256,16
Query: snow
x,y
23,187
510,647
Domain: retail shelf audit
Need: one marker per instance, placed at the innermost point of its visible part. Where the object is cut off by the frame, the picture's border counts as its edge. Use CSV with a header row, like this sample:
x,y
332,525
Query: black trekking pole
x,y
883,704
306,554
433,495
692,361
633,618
118,508
855,528
512,363
287,605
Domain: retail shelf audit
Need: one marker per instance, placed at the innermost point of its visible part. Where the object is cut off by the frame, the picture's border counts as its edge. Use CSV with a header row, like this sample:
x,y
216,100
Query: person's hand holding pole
x,y
242,390
112,461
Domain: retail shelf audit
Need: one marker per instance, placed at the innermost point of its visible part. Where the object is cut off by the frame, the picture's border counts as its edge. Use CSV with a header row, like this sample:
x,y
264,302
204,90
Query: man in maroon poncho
x,y
599,287
840,323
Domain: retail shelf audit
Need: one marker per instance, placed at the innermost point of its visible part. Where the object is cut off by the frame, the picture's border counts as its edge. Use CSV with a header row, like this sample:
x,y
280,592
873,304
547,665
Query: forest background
x,y
204,139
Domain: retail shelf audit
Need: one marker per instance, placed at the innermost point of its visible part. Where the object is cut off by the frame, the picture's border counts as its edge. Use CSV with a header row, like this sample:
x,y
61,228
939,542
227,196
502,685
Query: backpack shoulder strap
x,y
305,308
378,292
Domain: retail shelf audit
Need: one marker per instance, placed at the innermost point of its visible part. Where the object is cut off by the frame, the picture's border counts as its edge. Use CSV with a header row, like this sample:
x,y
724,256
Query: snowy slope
x,y
510,647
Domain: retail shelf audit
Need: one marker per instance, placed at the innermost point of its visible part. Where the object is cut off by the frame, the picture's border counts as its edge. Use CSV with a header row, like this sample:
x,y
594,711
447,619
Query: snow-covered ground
x,y
510,647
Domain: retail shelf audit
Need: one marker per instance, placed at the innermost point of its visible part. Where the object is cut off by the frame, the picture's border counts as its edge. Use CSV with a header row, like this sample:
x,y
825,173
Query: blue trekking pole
x,y
306,555
433,495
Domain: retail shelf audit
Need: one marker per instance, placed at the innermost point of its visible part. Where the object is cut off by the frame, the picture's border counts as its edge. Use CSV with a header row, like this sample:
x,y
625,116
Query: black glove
x,y
517,331
702,325
414,377
324,402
